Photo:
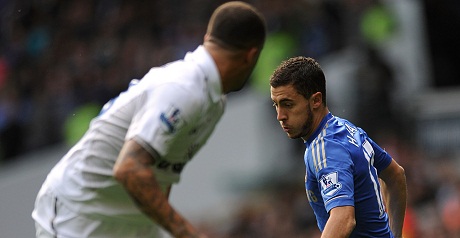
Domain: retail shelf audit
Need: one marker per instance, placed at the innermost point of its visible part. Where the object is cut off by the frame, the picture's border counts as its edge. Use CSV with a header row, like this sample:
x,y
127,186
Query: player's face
x,y
293,111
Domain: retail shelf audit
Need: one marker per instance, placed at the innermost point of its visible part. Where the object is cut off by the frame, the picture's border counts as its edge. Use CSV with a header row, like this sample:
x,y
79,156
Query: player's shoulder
x,y
175,75
339,128
339,135
177,72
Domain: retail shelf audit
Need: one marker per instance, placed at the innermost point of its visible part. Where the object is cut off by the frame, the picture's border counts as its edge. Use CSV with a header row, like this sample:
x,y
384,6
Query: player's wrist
x,y
187,231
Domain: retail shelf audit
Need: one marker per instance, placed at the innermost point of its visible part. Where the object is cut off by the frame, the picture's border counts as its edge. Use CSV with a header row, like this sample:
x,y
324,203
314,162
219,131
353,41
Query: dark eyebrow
x,y
283,101
286,100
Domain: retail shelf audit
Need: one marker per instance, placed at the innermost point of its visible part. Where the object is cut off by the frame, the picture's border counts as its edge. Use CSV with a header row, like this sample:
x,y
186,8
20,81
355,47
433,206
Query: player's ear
x,y
316,99
206,37
252,54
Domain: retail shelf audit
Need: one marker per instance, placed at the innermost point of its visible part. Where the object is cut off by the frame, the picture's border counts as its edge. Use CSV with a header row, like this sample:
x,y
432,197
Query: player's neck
x,y
322,113
318,116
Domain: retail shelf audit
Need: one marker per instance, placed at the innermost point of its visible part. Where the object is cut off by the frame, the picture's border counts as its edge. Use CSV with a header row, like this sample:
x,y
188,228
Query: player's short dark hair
x,y
237,25
304,73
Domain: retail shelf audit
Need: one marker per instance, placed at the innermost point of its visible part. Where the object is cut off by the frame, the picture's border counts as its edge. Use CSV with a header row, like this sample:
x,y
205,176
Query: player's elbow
x,y
121,172
400,174
402,171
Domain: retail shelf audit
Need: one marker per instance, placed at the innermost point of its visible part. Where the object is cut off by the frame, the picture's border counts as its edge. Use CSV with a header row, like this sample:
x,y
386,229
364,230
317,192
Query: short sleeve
x,y
381,158
161,117
335,177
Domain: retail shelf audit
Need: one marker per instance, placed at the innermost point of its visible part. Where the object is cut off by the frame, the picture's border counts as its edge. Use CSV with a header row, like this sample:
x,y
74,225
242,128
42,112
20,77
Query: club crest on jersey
x,y
171,119
330,184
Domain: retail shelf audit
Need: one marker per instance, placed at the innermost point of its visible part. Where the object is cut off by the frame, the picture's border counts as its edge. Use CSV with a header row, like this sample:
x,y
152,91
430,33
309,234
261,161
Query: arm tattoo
x,y
133,170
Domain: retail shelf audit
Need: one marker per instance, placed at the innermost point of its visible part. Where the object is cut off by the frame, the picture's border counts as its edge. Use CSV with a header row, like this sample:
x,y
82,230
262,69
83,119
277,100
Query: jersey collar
x,y
209,68
319,128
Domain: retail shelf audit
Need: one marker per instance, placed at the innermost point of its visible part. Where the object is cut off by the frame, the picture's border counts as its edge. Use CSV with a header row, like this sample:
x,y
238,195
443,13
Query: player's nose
x,y
281,115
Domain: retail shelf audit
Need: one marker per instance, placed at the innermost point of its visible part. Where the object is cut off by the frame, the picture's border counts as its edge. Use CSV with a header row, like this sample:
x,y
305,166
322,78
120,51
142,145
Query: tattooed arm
x,y
132,169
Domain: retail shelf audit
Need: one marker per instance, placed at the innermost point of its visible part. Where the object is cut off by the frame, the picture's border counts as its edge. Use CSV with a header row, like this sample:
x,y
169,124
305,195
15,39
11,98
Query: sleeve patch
x,y
171,119
330,184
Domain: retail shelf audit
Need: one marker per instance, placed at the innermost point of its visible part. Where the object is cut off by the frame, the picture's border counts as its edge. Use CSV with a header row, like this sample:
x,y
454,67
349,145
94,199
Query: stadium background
x,y
392,67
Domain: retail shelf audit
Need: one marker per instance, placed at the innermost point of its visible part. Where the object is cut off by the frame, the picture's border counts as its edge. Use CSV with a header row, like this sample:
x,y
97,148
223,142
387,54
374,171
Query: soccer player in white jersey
x,y
343,165
115,181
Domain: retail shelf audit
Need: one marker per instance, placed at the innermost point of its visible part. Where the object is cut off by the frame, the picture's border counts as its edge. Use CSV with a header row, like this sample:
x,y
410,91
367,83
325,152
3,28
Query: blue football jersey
x,y
342,166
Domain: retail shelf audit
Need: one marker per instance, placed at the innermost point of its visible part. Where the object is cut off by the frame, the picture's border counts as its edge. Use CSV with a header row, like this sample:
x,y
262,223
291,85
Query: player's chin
x,y
292,135
238,88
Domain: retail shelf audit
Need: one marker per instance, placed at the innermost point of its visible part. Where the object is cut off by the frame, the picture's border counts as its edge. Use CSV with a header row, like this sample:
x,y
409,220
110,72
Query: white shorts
x,y
54,219
41,232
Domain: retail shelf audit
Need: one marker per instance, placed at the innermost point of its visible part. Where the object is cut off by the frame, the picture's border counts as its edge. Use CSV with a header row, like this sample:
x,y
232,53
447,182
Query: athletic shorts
x,y
54,219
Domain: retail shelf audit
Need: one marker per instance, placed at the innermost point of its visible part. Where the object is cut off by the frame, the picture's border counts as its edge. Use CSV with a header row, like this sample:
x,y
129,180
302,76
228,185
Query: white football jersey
x,y
171,112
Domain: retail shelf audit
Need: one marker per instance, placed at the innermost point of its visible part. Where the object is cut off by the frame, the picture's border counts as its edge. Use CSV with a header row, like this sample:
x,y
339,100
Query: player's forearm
x,y
340,224
153,202
337,230
133,171
397,195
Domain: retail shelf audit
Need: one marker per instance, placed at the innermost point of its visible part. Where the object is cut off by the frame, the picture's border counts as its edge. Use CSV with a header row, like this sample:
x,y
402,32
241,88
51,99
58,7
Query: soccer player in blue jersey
x,y
343,165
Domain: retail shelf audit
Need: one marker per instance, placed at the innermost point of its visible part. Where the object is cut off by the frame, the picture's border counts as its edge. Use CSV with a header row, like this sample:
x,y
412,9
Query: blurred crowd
x,y
58,58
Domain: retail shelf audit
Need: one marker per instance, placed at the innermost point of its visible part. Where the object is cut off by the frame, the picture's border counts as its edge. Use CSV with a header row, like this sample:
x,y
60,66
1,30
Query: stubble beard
x,y
306,129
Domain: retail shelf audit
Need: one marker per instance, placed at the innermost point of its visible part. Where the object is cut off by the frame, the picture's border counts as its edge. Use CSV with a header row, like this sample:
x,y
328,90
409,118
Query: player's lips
x,y
286,128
